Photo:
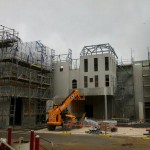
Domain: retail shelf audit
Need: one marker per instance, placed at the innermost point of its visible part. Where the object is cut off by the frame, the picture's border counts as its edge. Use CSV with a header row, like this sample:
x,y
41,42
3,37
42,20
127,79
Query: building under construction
x,y
95,79
31,74
26,80
111,89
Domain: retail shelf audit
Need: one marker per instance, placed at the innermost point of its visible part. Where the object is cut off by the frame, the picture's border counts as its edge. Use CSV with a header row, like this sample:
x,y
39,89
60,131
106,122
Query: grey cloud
x,y
63,24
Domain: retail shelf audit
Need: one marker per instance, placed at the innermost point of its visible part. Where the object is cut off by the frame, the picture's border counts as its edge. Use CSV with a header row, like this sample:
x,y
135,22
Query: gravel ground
x,y
123,138
128,131
121,131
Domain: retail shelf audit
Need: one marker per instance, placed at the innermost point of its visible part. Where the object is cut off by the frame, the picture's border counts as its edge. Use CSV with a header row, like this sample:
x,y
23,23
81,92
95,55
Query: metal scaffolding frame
x,y
146,86
73,63
64,58
124,92
98,49
26,73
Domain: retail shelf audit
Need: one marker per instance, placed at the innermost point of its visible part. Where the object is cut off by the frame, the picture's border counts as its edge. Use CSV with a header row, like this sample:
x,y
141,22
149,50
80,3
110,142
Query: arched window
x,y
74,84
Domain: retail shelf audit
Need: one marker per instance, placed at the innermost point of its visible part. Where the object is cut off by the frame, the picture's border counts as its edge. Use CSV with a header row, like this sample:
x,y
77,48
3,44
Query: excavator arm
x,y
74,95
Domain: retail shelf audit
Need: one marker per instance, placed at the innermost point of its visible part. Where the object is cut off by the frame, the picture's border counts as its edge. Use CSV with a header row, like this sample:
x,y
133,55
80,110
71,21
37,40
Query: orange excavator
x,y
59,115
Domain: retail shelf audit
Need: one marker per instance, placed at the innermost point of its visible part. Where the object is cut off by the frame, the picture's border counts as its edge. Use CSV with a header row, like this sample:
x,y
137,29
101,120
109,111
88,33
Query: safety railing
x,y
34,142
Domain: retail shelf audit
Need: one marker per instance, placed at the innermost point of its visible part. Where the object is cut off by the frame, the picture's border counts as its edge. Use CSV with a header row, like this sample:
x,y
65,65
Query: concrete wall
x,y
61,80
101,74
74,74
4,112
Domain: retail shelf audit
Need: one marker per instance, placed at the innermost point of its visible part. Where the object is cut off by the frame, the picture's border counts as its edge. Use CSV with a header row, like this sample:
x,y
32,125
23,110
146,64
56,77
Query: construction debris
x,y
100,127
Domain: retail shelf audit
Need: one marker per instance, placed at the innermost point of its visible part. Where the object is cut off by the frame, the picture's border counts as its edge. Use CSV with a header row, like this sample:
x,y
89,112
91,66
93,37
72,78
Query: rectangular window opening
x,y
91,79
96,81
106,80
85,81
85,65
74,84
106,63
95,64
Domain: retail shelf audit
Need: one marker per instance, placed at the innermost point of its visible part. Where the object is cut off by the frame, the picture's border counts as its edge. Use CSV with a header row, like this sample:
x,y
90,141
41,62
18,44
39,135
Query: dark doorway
x,y
15,111
147,111
147,114
89,111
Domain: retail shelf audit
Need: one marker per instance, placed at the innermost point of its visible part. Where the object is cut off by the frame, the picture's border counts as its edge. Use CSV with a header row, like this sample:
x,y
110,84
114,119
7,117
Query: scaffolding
x,y
124,99
26,79
146,86
73,63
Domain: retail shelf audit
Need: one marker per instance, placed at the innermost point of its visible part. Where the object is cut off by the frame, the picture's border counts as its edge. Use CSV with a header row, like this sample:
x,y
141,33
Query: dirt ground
x,y
93,142
77,139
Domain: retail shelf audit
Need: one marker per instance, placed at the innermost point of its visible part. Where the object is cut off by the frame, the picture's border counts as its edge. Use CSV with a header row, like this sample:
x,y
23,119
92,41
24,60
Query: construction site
x,y
26,80
40,89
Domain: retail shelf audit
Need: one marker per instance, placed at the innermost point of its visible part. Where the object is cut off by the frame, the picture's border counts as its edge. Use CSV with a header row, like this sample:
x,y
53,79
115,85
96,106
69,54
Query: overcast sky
x,y
73,24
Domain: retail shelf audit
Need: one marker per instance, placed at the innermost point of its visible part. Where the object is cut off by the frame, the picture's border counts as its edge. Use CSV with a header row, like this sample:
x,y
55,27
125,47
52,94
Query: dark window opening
x,y
107,80
89,111
85,65
96,81
61,68
147,111
91,79
106,63
74,84
15,111
95,64
85,81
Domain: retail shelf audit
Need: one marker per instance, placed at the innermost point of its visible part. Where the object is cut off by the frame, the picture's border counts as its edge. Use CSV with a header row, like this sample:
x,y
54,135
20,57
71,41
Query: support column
x,y
141,111
106,116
